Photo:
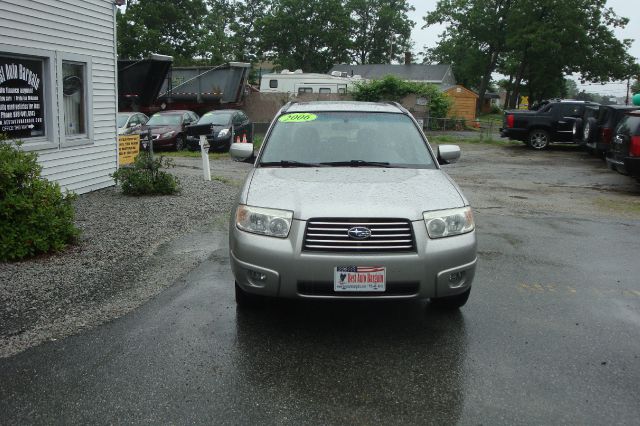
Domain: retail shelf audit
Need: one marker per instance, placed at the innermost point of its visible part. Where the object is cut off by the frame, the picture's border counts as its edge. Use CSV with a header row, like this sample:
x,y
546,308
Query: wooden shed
x,y
464,102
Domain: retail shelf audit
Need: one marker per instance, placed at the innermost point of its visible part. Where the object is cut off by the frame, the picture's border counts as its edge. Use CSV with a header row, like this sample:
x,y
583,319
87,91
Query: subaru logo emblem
x,y
359,233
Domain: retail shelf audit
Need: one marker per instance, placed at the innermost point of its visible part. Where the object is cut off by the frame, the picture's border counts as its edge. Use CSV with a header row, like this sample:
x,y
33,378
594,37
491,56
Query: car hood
x,y
353,191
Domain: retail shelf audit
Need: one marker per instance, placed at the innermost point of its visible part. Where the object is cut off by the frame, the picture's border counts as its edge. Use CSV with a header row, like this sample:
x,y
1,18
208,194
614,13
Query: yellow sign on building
x,y
128,148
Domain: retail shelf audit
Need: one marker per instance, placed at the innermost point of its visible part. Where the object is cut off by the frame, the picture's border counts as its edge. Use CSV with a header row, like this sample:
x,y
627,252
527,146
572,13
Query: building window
x,y
73,90
22,103
273,84
325,90
342,90
305,90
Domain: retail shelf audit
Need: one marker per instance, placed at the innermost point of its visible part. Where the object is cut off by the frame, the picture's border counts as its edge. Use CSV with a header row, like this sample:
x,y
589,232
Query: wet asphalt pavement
x,y
550,335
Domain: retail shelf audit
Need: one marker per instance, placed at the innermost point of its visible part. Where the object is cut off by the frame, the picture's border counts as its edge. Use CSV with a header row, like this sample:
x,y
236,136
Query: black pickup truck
x,y
553,122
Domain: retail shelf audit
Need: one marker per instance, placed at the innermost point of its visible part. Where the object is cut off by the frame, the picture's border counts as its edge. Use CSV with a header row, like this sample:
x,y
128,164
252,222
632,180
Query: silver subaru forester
x,y
346,200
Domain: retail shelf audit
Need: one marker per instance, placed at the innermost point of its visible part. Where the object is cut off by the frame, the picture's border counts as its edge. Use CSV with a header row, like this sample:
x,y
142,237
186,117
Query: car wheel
x,y
247,300
179,143
589,130
539,139
450,302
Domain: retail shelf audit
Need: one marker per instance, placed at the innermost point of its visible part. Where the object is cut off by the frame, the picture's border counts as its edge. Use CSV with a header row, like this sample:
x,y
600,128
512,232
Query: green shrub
x,y
35,216
392,88
144,177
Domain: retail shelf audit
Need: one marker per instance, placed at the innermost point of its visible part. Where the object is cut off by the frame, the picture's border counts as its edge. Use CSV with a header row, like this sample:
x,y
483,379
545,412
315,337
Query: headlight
x,y
445,223
223,133
258,220
167,135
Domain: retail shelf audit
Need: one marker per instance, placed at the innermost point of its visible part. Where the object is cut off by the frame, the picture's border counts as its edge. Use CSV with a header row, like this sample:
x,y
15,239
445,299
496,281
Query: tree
x,y
474,39
570,88
534,42
380,30
308,34
635,86
245,37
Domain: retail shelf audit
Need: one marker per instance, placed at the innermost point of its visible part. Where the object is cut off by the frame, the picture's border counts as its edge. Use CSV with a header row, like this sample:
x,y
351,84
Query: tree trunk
x,y
516,87
486,78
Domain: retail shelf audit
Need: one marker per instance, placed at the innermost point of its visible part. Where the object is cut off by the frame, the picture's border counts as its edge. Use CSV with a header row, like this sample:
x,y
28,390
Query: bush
x,y
495,109
144,177
35,216
392,88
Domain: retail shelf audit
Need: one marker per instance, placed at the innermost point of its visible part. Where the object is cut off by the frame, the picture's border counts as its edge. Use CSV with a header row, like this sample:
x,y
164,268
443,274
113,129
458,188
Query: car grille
x,y
325,288
331,235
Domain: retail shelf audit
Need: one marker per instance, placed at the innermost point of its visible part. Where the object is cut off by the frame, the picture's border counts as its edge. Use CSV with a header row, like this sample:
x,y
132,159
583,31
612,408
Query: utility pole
x,y
628,84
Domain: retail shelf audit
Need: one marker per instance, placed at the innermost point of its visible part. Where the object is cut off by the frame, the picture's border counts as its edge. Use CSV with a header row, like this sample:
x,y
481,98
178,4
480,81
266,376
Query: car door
x,y
563,117
132,125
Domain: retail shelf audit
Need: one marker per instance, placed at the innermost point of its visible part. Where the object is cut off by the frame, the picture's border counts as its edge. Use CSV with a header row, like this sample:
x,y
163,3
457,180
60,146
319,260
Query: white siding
x,y
73,27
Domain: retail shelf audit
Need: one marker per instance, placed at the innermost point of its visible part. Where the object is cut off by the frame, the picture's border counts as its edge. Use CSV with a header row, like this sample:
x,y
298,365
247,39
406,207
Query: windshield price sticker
x,y
297,118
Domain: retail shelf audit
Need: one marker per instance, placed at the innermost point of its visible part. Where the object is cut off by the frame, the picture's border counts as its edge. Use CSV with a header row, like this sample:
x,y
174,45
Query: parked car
x,y
599,130
130,122
168,128
624,153
221,127
553,122
347,200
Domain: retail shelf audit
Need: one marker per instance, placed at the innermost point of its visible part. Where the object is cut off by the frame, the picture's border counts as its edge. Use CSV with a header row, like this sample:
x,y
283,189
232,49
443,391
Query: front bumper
x,y
215,143
285,271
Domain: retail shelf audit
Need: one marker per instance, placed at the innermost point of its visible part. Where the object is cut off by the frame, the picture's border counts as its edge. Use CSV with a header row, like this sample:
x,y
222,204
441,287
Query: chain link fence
x,y
486,129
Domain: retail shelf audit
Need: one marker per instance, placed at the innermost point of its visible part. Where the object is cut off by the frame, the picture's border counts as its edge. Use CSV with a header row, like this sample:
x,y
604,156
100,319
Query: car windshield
x,y
122,119
630,124
216,118
355,139
165,120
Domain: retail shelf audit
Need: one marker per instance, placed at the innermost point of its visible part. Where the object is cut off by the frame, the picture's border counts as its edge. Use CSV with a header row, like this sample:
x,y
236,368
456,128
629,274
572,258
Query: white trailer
x,y
299,83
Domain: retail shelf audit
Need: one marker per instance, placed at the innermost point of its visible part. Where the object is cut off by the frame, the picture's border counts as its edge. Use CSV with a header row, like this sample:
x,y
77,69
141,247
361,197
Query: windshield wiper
x,y
289,163
359,163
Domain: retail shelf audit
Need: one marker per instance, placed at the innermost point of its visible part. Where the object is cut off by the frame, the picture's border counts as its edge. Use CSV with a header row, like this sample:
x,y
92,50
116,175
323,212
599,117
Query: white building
x,y
298,82
58,87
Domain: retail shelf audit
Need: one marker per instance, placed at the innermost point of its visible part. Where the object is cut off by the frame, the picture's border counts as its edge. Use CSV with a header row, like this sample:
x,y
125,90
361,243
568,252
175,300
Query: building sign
x,y
21,100
128,148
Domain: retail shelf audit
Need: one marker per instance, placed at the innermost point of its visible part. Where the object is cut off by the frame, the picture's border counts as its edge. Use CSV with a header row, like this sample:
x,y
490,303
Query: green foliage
x,y
381,30
534,42
391,88
35,216
144,177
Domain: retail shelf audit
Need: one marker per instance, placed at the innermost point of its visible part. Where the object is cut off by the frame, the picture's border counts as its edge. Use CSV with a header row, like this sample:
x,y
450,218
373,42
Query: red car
x,y
168,128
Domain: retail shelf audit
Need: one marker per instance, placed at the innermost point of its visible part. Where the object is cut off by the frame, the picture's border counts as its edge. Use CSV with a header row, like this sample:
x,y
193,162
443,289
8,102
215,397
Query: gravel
x,y
130,249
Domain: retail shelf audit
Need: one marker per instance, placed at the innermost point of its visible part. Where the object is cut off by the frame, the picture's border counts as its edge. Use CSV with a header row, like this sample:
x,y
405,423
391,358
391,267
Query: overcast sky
x,y
628,8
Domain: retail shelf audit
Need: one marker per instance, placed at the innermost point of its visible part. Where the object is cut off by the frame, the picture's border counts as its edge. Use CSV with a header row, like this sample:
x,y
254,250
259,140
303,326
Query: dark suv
x,y
553,122
624,154
598,130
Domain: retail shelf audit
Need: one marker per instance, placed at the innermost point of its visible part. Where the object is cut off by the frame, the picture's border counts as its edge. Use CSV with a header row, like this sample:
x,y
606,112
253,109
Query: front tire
x,y
451,302
539,139
180,143
247,300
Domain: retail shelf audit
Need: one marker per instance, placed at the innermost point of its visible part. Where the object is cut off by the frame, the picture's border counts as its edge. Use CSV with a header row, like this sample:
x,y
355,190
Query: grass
x,y
619,206
444,139
257,142
491,117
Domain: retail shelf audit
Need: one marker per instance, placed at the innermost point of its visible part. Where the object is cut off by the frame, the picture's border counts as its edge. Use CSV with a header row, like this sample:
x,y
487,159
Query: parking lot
x,y
551,333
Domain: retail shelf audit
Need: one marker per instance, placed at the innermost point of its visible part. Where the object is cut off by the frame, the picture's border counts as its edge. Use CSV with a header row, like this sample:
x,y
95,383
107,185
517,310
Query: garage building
x,y
58,87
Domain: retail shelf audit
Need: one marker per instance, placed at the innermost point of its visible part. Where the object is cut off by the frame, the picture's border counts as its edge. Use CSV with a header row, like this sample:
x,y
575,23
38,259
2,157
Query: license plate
x,y
359,278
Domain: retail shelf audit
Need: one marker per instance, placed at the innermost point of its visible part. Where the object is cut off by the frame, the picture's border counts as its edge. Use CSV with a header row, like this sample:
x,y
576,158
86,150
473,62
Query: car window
x,y
165,120
237,119
122,119
244,116
143,118
630,124
215,118
273,84
134,121
342,137
194,117
569,110
603,115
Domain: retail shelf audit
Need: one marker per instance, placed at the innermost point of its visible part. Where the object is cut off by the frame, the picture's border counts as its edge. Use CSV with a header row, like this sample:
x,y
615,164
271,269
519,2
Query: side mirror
x,y
448,154
241,151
